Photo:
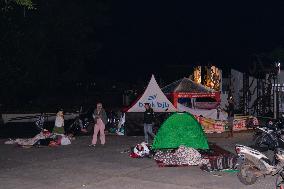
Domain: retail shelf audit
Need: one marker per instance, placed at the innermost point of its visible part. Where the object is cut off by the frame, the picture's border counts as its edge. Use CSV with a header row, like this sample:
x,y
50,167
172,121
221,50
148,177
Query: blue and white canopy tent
x,y
155,97
157,100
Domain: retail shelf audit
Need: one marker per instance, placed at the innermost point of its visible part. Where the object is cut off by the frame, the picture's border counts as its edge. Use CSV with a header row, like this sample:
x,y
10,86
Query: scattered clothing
x,y
44,138
140,151
30,141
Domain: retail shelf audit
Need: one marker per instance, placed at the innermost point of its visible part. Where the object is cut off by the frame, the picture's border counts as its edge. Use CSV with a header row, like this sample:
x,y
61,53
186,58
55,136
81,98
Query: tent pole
x,y
175,100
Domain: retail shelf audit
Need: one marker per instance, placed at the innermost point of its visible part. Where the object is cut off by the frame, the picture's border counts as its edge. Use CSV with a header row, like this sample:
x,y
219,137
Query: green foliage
x,y
25,3
40,52
7,5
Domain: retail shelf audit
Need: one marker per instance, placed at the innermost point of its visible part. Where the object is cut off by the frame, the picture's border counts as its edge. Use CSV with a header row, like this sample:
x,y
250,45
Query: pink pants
x,y
99,127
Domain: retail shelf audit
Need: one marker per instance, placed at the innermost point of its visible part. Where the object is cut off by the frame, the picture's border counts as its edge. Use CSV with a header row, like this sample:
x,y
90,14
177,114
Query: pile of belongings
x,y
183,156
140,151
60,139
45,138
120,126
214,159
116,125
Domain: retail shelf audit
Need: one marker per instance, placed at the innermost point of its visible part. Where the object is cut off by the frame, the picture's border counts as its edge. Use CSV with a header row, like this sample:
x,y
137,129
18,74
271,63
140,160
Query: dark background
x,y
73,52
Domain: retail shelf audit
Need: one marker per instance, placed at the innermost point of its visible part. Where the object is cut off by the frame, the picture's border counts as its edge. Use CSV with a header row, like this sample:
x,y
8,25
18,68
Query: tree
x,y
8,4
277,55
43,49
25,3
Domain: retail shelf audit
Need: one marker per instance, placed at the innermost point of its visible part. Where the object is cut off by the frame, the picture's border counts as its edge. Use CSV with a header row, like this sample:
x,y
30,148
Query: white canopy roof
x,y
205,113
155,97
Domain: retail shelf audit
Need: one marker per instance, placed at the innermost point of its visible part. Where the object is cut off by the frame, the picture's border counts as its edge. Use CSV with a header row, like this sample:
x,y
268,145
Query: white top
x,y
59,121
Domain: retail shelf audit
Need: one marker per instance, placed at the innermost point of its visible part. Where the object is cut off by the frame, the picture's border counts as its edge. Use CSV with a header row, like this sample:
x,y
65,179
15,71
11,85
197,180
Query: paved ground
x,y
79,167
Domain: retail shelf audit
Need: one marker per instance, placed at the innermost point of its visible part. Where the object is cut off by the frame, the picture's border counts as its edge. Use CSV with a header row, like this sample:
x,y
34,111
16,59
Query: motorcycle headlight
x,y
238,150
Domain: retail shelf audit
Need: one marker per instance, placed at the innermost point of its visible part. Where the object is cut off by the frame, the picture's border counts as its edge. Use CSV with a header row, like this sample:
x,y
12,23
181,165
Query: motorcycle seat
x,y
266,160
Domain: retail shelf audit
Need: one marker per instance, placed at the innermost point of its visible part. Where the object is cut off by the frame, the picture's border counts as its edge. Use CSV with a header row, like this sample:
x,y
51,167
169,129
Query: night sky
x,y
126,41
223,33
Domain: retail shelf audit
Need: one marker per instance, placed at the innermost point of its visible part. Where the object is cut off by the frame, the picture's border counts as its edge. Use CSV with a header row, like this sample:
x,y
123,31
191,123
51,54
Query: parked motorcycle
x,y
81,125
40,122
113,120
269,136
253,164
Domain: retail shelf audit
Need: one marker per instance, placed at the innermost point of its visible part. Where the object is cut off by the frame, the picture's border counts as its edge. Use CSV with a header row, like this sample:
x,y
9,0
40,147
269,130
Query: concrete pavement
x,y
78,166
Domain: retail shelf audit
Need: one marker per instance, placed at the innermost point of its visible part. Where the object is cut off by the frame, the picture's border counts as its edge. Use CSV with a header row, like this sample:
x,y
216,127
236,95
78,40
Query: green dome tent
x,y
180,129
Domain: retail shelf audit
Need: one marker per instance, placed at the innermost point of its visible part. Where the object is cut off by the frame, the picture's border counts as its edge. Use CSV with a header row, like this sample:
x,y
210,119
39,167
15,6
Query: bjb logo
x,y
154,104
152,97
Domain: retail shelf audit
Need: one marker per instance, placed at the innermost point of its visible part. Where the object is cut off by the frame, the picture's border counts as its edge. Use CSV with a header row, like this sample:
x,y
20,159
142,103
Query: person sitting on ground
x,y
59,123
140,151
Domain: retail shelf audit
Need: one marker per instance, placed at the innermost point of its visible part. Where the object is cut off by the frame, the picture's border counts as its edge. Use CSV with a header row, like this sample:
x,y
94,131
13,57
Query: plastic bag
x,y
65,141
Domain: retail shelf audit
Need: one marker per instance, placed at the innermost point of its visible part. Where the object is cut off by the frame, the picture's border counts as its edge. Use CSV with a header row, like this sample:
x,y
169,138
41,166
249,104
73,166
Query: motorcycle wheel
x,y
245,174
280,181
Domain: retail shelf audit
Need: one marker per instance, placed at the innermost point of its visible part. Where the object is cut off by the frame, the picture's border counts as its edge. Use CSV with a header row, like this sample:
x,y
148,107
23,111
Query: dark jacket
x,y
149,116
101,115
231,110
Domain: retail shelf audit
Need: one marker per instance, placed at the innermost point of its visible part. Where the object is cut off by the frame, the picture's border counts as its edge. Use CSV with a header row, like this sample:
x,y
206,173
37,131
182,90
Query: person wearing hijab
x,y
100,119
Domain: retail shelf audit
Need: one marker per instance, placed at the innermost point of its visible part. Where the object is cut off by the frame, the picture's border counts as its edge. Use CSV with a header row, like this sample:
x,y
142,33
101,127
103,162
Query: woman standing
x,y
100,119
